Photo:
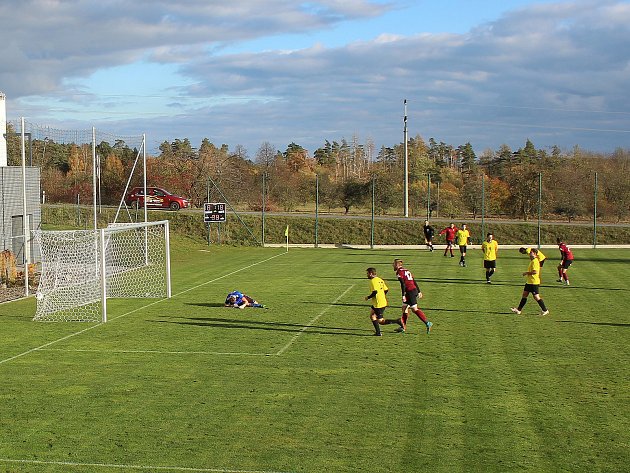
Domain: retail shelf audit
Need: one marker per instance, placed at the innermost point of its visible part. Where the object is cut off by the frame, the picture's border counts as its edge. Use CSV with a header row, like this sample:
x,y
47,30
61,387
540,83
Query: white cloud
x,y
555,72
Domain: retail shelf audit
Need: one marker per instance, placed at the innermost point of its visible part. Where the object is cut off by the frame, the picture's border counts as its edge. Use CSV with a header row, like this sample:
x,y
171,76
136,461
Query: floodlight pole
x,y
406,165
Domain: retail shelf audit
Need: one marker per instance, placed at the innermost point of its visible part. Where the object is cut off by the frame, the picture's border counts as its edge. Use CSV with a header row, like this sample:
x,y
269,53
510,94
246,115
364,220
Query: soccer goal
x,y
82,269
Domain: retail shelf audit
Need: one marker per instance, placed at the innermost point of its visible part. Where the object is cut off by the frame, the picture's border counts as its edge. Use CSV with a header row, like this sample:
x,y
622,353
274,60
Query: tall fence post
x,y
595,214
262,229
539,205
372,223
316,209
483,207
428,195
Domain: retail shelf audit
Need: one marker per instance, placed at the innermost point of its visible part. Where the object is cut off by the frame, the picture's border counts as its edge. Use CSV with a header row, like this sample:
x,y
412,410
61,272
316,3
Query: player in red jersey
x,y
565,262
410,295
450,238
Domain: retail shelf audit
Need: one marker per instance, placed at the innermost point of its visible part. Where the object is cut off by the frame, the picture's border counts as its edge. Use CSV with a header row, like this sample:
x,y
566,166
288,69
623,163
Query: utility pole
x,y
406,163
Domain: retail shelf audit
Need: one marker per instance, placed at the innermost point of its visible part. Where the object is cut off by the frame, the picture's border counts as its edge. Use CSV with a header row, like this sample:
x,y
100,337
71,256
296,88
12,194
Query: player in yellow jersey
x,y
378,289
461,238
532,285
541,257
490,249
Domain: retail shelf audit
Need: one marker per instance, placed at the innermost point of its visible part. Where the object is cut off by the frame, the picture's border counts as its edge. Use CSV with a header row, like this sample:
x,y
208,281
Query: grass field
x,y
185,385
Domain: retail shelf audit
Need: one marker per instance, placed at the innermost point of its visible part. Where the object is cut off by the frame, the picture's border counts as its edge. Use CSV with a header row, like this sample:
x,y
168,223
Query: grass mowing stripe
x,y
228,274
135,467
312,321
158,352
6,360
136,310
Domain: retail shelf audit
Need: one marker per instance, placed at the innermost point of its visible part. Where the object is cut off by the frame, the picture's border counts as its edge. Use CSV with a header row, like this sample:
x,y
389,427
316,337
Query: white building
x,y
3,130
12,198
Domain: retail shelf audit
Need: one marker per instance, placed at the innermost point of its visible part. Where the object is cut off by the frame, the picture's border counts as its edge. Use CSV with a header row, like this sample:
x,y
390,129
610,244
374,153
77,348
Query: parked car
x,y
157,198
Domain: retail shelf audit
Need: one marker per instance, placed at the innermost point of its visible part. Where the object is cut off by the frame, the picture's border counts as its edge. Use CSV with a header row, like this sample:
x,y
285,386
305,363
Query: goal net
x,y
81,269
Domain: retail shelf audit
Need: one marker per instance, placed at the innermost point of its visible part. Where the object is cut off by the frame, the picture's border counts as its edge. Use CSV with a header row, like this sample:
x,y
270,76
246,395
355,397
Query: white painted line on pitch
x,y
41,347
157,352
49,343
312,321
135,467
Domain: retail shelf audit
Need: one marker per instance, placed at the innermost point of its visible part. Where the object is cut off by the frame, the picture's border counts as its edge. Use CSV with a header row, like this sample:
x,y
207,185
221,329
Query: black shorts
x,y
532,288
566,263
489,264
462,248
411,297
449,243
378,311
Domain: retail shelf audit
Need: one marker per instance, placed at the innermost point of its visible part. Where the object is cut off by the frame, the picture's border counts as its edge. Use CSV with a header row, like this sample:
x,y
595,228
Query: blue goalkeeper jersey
x,y
238,295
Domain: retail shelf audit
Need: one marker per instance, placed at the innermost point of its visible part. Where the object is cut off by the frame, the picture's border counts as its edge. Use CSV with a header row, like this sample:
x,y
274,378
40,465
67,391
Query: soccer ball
x,y
39,296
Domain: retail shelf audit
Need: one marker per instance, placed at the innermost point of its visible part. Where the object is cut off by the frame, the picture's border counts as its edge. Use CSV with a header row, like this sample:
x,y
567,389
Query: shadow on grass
x,y
264,325
609,324
582,288
394,308
469,281
346,304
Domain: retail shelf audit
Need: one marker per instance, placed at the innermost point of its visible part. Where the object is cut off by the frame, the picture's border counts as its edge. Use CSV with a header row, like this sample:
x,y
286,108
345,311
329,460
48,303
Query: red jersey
x,y
407,282
450,233
565,251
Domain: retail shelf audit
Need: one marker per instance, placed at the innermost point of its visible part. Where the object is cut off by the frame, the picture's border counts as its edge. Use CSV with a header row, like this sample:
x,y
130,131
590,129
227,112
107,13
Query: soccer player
x,y
449,233
378,290
428,231
238,300
541,257
461,238
532,285
410,295
565,262
490,249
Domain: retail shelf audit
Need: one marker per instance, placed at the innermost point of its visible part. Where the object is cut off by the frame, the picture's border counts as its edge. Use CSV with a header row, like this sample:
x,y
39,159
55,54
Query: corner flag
x,y
286,234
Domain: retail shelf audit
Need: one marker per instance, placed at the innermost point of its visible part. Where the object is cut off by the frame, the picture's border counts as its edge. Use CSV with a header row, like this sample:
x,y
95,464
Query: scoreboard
x,y
214,212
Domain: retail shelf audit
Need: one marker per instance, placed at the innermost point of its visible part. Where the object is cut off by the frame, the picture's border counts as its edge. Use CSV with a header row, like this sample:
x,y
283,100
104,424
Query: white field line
x,y
133,467
312,321
41,347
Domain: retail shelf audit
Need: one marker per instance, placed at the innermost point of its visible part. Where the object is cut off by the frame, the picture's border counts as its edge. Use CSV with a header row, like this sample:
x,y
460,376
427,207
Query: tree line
x,y
343,174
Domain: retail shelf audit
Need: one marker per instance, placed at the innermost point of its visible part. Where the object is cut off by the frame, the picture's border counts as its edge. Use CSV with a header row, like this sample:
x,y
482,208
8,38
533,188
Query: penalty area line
x,y
312,321
134,467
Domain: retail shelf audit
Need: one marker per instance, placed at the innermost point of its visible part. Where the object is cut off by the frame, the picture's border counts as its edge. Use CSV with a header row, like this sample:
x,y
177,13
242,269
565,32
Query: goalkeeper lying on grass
x,y
239,300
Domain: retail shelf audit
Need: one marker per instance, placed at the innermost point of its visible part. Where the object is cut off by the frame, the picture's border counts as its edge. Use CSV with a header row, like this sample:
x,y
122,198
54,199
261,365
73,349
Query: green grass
x,y
304,387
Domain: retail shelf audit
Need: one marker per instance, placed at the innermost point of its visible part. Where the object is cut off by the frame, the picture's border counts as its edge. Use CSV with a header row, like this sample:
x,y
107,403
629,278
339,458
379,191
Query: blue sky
x,y
246,72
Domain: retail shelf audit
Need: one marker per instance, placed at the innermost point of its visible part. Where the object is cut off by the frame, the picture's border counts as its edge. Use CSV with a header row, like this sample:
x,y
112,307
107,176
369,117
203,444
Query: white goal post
x,y
81,269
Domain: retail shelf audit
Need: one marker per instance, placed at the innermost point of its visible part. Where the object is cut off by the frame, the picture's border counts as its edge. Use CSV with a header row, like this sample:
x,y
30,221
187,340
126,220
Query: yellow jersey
x,y
541,257
462,236
378,285
489,249
534,265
